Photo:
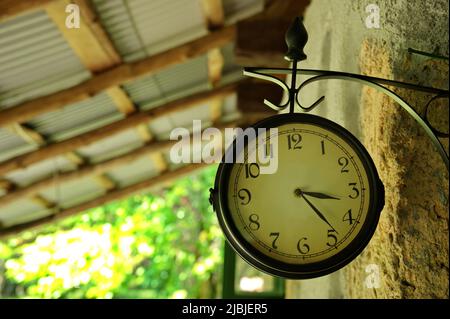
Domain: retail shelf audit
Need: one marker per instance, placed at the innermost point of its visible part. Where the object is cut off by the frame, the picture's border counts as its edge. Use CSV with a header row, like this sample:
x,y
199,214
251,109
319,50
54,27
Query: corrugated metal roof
x,y
145,91
185,118
116,20
112,146
21,212
136,171
77,118
141,28
35,60
170,84
230,111
165,24
12,145
184,78
74,192
40,171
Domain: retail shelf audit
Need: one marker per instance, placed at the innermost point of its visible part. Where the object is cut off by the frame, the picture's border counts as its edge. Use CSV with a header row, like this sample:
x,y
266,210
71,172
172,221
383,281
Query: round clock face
x,y
315,212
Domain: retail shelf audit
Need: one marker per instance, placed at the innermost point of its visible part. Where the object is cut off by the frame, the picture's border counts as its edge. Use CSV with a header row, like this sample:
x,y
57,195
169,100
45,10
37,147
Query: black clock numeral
x,y
253,222
294,141
245,195
274,243
355,190
251,170
332,239
343,161
322,144
348,217
303,248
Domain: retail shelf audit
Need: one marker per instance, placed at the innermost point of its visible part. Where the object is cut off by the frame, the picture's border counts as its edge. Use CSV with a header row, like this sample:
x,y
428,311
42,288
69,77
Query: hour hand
x,y
319,195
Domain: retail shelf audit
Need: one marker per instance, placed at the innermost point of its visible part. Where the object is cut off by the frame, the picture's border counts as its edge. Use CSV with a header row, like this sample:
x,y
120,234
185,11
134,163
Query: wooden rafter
x,y
121,100
42,201
92,45
105,182
214,14
75,158
214,19
152,149
215,66
116,76
94,49
110,195
159,162
12,8
6,185
27,134
131,121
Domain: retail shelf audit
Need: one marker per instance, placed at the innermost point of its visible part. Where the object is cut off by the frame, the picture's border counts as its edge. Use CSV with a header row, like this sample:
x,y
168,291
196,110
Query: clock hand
x,y
321,216
319,195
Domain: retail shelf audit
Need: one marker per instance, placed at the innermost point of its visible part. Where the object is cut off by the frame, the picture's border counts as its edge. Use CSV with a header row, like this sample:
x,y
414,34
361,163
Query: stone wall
x,y
410,246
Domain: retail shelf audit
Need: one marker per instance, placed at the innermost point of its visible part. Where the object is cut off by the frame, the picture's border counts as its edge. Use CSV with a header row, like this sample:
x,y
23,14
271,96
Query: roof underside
x,y
36,60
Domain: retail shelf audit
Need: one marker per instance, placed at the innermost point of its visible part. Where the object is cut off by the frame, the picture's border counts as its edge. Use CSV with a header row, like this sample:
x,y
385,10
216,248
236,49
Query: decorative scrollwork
x,y
377,83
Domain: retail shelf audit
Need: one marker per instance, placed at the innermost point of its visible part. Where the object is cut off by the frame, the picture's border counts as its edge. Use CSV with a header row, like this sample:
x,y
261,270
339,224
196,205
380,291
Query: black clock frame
x,y
219,200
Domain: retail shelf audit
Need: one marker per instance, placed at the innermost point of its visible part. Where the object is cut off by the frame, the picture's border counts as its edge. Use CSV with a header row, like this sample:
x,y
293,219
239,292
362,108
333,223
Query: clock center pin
x,y
298,192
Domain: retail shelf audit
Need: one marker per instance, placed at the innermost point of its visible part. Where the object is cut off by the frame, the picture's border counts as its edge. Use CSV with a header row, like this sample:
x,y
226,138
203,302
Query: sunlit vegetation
x,y
165,244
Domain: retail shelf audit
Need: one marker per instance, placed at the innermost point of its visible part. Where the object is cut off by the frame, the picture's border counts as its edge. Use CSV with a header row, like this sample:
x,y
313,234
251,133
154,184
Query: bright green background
x,y
161,245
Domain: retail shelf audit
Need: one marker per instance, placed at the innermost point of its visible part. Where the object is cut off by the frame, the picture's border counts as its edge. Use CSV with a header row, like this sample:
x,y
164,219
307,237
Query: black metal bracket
x,y
296,38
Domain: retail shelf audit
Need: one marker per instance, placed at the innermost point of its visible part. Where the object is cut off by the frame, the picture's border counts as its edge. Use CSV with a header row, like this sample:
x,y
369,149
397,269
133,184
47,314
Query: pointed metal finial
x,y
296,38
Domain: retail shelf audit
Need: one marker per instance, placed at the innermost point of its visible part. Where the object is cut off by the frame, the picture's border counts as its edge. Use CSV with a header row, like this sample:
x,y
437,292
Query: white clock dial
x,y
315,213
312,207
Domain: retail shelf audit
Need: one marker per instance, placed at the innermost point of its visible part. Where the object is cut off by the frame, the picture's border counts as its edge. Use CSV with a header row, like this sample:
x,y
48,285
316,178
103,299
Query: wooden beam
x,y
131,121
94,54
12,8
215,19
116,76
89,15
92,45
100,168
27,134
144,132
42,201
214,14
111,195
6,185
215,66
105,181
121,100
159,161
215,108
75,158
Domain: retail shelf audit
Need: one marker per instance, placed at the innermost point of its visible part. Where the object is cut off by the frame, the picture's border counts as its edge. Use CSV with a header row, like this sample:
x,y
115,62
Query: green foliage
x,y
164,245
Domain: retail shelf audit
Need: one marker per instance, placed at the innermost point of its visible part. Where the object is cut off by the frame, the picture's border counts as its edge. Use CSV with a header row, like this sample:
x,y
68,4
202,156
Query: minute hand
x,y
320,195
318,213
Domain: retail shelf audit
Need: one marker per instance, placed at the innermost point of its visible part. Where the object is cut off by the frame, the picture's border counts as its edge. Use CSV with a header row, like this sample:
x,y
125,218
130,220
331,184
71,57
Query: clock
x,y
315,213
